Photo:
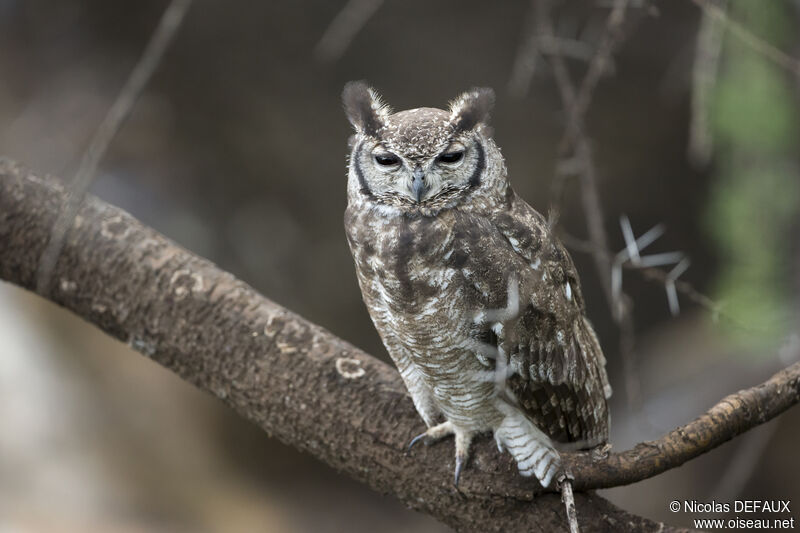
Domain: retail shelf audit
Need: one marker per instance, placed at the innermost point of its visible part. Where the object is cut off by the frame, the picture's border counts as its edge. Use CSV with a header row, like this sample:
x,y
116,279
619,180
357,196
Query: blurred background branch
x,y
576,158
717,12
151,57
344,27
704,75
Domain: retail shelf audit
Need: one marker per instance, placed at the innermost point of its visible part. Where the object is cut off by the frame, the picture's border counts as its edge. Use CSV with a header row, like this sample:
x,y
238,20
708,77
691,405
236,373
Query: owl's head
x,y
422,160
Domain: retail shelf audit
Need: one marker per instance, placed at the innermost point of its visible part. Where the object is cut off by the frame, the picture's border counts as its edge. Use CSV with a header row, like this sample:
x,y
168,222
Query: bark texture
x,y
305,386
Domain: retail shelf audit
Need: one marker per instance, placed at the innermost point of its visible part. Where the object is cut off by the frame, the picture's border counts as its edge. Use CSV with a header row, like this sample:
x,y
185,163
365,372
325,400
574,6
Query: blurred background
x,y
236,150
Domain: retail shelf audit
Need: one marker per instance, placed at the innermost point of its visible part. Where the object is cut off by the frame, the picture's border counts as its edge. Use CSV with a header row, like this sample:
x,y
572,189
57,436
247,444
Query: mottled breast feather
x,y
559,379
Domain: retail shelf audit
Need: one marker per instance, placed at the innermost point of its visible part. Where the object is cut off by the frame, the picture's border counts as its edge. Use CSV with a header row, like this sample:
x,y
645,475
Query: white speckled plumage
x,y
477,302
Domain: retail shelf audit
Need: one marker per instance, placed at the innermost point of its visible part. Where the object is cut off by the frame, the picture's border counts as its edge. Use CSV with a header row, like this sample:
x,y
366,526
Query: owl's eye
x,y
387,159
451,157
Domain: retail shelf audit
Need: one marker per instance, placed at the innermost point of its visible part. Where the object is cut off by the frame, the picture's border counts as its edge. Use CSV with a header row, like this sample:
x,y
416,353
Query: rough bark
x,y
308,388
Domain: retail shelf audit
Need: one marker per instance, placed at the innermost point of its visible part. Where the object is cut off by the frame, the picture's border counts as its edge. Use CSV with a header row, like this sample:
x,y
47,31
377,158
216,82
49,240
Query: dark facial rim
x,y
365,190
475,179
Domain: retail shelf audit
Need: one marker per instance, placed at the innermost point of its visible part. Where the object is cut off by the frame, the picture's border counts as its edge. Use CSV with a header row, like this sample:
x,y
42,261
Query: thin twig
x,y
576,151
611,37
627,349
684,287
657,275
704,77
593,211
577,159
575,140
534,44
575,146
728,418
344,27
162,36
567,165
527,57
758,44
568,499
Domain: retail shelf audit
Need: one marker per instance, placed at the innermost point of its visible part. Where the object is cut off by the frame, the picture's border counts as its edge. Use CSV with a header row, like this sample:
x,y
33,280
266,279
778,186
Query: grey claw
x,y
416,440
459,467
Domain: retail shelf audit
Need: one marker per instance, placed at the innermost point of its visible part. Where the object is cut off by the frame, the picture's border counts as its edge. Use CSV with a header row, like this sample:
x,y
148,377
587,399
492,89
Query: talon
x,y
459,466
433,434
462,454
416,440
445,429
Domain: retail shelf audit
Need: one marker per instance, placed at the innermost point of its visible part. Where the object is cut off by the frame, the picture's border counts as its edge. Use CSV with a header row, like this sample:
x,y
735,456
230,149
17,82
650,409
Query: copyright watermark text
x,y
750,514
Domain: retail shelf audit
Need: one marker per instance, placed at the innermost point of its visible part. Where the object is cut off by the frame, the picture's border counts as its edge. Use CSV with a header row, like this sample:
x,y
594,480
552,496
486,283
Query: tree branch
x,y
308,388
731,416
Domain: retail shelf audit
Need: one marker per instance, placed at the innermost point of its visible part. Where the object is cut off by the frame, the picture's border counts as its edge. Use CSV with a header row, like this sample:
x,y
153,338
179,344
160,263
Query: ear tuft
x,y
364,108
471,108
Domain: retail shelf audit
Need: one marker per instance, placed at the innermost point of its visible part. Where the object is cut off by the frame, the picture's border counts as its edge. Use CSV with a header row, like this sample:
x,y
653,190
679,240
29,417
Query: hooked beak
x,y
418,186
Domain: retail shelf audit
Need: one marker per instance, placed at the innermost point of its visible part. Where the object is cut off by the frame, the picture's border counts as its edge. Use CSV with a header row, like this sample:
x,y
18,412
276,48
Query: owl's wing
x,y
557,369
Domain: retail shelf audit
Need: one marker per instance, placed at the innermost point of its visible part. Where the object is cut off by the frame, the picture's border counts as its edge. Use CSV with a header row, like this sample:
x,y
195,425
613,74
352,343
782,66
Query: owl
x,y
477,302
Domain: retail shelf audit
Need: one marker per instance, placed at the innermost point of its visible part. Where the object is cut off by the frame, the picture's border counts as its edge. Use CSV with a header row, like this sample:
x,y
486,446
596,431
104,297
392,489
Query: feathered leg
x,y
532,450
463,441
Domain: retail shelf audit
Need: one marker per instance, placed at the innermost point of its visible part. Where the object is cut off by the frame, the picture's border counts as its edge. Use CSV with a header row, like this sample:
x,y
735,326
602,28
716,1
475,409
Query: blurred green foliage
x,y
755,196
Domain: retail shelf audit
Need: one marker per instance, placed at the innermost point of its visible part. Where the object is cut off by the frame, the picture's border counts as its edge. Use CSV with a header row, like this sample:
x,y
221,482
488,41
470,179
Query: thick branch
x,y
305,386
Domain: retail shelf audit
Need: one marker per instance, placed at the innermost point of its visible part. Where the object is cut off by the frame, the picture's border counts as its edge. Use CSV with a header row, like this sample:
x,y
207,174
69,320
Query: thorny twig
x,y
650,273
580,162
167,28
632,254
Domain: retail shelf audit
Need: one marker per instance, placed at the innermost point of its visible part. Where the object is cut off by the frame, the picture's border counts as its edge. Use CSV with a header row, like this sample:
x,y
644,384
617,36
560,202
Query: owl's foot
x,y
433,434
463,440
